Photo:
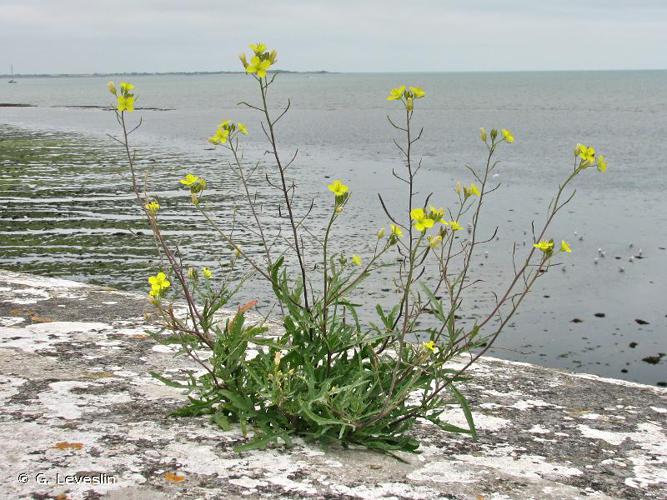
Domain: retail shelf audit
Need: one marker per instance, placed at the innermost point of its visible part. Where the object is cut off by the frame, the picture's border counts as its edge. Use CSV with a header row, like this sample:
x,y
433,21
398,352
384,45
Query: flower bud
x,y
494,134
409,104
381,233
112,88
243,59
482,134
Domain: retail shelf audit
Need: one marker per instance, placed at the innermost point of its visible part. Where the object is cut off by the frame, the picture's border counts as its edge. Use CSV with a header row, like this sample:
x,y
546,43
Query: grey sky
x,y
82,36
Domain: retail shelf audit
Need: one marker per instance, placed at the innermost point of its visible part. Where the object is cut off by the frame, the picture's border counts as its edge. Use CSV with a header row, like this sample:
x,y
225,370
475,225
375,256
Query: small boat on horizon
x,y
11,80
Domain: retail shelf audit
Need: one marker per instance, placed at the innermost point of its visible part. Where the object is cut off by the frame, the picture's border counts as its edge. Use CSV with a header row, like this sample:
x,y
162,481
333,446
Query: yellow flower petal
x,y
396,94
429,346
417,214
544,246
338,188
417,92
455,226
507,135
602,163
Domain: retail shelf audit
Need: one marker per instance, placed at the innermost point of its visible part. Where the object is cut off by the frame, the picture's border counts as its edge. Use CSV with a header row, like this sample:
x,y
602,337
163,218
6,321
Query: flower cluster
x,y
227,131
193,274
124,99
395,235
159,284
196,185
587,157
406,95
260,61
426,219
152,207
467,191
507,135
547,247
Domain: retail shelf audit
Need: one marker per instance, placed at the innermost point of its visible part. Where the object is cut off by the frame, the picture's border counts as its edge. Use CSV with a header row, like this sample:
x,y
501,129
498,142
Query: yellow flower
x,y
564,247
396,231
417,92
338,188
208,274
482,134
126,87
126,103
189,180
196,185
396,94
507,135
436,214
356,260
586,154
545,246
429,346
112,88
220,137
242,128
258,48
422,223
434,241
602,163
159,283
258,66
381,233
417,214
152,207
455,225
472,190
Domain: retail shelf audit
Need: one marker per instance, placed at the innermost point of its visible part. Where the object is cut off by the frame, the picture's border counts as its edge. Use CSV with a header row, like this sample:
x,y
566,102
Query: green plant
x,y
328,376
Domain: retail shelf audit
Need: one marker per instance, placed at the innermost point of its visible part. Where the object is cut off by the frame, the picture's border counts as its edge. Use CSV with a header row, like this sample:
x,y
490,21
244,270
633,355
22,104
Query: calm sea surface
x,y
65,207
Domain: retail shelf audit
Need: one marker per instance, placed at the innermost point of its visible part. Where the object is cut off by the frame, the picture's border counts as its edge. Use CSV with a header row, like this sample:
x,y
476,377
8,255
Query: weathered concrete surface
x,y
77,403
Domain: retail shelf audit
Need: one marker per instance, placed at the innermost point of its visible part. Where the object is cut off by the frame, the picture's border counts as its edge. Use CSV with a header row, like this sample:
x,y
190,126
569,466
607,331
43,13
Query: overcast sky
x,y
84,36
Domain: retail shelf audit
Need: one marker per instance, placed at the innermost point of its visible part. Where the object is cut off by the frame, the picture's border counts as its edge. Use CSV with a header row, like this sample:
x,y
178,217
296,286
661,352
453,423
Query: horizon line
x,y
311,72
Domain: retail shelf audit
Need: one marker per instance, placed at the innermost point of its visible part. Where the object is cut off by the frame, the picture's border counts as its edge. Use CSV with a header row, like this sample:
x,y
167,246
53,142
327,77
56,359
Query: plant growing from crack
x,y
328,376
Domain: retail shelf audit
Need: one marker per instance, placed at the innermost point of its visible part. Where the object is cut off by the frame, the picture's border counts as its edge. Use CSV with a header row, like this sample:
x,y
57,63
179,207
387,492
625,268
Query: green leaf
x,y
466,409
221,420
167,381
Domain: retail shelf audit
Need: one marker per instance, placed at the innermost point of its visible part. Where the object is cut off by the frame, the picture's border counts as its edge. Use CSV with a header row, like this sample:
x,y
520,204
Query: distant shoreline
x,y
157,73
318,72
